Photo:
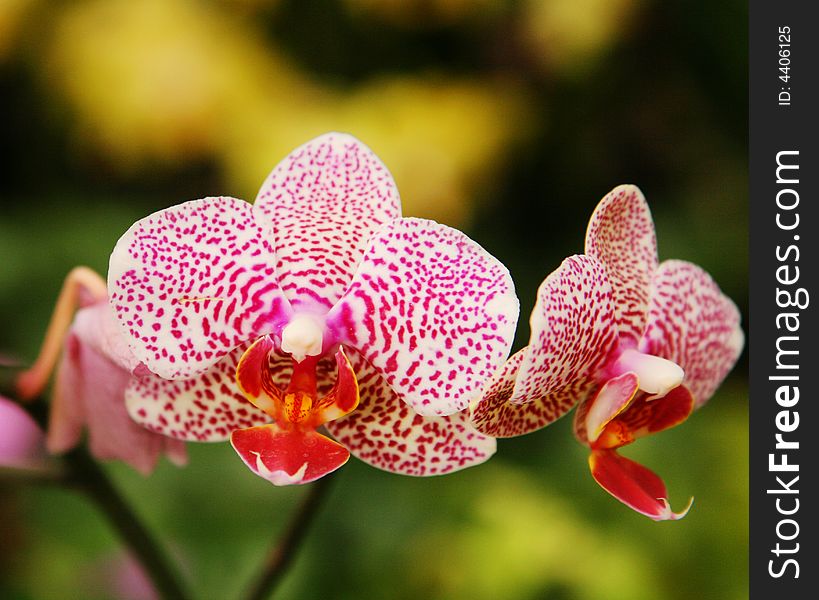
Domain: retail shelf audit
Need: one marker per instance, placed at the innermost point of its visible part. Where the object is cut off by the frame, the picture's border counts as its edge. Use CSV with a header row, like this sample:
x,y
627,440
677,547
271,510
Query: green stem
x,y
282,554
38,476
82,472
88,476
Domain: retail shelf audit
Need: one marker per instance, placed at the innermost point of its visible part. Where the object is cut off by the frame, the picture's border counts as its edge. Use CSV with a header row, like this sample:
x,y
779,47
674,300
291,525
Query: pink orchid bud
x,y
94,373
22,443
95,369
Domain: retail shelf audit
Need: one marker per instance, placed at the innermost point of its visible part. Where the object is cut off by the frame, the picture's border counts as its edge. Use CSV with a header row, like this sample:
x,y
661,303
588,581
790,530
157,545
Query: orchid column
x,y
265,302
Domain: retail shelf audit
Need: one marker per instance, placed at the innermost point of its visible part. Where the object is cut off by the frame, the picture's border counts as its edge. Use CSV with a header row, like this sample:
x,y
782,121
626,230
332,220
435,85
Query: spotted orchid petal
x,y
203,408
288,456
325,200
692,323
634,485
192,282
386,433
88,394
573,333
432,311
493,414
621,236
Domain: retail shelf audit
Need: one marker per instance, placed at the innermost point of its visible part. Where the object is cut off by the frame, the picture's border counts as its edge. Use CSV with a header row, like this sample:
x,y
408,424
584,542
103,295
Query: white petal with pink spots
x,y
692,323
192,282
204,408
386,433
325,201
432,311
621,236
572,329
573,333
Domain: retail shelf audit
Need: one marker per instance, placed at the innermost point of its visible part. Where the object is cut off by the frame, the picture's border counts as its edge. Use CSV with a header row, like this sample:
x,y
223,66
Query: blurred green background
x,y
509,119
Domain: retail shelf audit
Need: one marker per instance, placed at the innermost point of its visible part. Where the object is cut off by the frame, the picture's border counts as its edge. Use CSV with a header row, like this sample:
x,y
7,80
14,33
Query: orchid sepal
x,y
386,433
621,236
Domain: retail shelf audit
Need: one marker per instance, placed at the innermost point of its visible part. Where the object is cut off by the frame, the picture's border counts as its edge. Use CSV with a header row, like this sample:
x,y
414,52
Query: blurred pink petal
x,y
21,440
89,393
117,576
82,287
131,583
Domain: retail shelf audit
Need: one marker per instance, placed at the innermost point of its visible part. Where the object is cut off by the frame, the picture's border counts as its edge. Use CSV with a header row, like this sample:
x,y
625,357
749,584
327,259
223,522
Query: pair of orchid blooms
x,y
319,306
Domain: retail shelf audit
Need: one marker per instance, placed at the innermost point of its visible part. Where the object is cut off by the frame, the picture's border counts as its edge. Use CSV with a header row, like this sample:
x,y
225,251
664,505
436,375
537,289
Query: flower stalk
x,y
283,553
89,477
78,470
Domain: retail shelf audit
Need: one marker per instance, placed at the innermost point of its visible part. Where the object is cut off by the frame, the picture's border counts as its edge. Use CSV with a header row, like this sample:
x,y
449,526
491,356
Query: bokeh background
x,y
509,119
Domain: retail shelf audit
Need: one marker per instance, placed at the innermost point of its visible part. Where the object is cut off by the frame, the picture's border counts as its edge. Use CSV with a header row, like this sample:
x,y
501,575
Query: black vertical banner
x,y
784,264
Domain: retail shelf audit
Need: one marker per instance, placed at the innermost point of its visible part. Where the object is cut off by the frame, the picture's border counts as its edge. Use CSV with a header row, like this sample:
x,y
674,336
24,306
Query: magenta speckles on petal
x,y
386,433
192,282
573,333
692,323
621,236
572,330
325,201
204,408
494,415
432,311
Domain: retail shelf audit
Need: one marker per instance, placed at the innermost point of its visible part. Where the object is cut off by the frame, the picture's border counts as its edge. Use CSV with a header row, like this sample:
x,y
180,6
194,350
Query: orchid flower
x,y
264,302
638,344
95,368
